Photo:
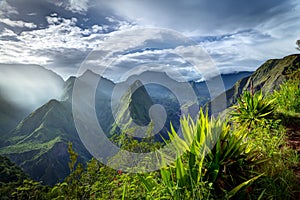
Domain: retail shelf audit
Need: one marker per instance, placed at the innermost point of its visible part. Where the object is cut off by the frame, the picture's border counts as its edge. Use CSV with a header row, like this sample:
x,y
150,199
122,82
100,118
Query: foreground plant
x,y
252,110
204,169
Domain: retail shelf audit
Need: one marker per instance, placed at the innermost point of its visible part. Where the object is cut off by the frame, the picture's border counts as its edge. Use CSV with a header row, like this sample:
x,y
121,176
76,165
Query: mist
x,y
29,86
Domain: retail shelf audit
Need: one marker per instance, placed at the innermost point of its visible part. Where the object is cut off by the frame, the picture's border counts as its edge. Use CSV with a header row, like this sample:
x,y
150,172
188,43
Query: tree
x,y
298,45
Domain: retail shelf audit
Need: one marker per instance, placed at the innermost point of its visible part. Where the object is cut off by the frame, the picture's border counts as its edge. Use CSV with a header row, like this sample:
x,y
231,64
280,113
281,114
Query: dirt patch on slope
x,y
293,131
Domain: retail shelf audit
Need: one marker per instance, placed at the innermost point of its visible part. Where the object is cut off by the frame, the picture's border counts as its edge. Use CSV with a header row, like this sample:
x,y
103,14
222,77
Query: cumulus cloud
x,y
237,34
61,44
7,33
246,51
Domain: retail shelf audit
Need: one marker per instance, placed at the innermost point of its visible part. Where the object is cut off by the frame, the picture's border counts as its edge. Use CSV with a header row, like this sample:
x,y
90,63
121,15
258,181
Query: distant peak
x,y
94,75
136,84
52,102
89,73
70,79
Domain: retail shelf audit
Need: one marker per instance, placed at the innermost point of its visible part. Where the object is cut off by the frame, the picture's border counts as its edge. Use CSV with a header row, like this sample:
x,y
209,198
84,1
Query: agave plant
x,y
252,110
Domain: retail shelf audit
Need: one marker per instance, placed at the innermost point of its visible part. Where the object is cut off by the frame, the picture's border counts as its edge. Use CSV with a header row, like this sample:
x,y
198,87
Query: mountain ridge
x,y
266,78
23,89
55,119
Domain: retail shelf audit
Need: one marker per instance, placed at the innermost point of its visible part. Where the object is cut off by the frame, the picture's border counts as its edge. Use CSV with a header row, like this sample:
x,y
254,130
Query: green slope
x,y
267,78
39,143
132,111
23,88
10,116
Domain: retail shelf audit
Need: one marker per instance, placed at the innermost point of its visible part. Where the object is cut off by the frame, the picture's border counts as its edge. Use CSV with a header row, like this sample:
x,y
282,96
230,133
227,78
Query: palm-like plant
x,y
252,110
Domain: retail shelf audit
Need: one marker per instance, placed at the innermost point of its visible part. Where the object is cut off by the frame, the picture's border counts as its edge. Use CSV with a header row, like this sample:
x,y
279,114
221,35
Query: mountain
x,y
39,143
23,88
132,111
10,116
204,94
152,95
266,78
42,138
139,103
231,78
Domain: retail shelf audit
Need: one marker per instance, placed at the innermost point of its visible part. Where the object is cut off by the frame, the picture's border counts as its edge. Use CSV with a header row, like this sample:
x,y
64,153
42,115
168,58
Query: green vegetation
x,y
202,172
234,159
252,110
267,78
287,98
11,177
269,138
42,138
246,156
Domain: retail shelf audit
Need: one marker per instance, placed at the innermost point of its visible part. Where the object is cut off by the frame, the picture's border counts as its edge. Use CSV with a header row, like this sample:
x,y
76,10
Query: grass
x,y
270,139
287,98
26,147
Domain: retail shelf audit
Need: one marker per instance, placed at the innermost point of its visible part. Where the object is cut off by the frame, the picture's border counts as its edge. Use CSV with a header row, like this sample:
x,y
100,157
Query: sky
x,y
61,34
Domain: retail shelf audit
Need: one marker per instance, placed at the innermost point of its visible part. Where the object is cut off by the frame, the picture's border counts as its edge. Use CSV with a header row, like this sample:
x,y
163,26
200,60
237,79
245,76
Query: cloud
x,y
75,6
80,6
131,52
32,14
19,23
29,86
203,17
62,44
7,10
236,35
246,51
8,33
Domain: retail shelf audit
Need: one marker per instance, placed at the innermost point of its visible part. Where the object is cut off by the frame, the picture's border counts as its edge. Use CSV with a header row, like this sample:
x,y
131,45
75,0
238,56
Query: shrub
x,y
252,110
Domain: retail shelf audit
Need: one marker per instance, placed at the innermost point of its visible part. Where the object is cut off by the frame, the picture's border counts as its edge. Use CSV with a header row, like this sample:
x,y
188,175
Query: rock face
x,y
266,78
